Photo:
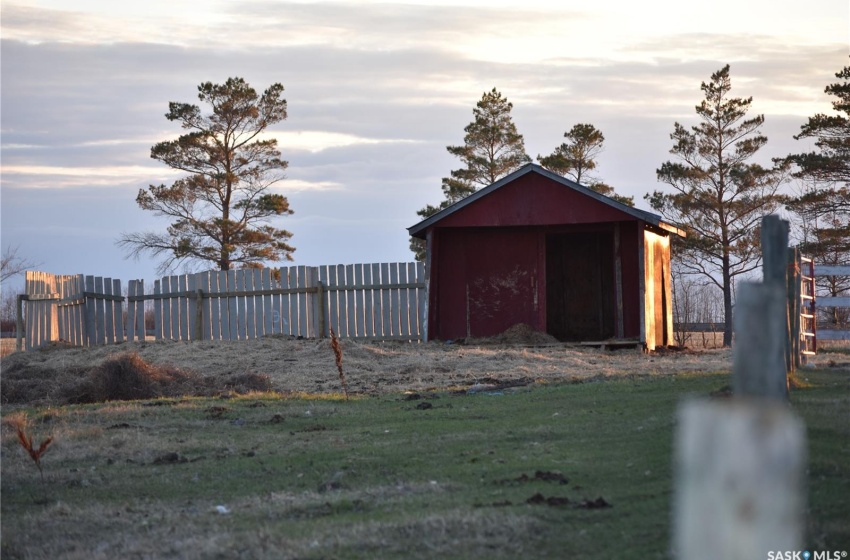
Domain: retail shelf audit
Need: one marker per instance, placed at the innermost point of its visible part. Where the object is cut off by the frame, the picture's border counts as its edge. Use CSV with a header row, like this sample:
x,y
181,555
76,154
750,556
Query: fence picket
x,y
277,280
386,309
259,303
341,320
141,312
192,304
216,316
203,283
233,320
237,305
311,282
377,314
368,314
166,308
173,286
131,310
61,316
79,310
422,301
394,300
290,302
358,300
158,311
280,302
302,302
332,297
326,301
90,335
250,316
403,319
221,308
266,301
100,312
351,305
183,305
117,312
175,308
108,313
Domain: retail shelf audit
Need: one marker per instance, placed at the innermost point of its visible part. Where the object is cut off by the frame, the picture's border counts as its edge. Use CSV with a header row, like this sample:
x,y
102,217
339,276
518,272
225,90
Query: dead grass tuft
x,y
128,377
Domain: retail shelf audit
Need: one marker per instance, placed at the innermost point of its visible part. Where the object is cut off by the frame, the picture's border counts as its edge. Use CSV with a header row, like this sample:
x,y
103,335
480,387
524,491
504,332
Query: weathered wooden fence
x,y
384,301
80,310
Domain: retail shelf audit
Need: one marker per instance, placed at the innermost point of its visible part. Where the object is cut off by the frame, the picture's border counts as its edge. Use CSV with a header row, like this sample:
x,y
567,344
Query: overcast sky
x,y
375,92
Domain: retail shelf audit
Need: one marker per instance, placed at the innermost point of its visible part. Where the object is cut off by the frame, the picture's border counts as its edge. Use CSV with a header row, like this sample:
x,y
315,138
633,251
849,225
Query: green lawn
x,y
512,474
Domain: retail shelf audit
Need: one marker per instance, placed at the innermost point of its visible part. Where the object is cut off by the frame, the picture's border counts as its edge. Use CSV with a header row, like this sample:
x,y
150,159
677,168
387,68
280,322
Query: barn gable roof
x,y
419,229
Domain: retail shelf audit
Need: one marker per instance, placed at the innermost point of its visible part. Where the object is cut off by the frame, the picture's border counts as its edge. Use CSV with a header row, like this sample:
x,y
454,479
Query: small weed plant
x,y
35,453
338,355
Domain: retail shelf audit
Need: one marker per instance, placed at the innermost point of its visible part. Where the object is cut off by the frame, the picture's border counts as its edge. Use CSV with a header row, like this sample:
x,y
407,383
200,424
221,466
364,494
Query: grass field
x,y
544,471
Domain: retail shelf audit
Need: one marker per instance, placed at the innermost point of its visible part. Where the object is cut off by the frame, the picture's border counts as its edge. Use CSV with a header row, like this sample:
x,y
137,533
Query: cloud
x,y
317,140
480,32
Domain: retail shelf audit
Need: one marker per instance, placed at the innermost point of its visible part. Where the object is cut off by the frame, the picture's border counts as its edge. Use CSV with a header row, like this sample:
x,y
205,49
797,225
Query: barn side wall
x,y
658,302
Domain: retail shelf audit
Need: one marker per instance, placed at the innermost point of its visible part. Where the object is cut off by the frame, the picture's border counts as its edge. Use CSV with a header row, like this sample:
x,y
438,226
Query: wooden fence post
x,y
774,250
199,314
19,323
739,480
320,309
760,335
91,322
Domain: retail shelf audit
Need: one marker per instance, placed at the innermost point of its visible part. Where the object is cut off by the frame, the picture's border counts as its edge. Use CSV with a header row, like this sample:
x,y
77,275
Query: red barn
x,y
537,248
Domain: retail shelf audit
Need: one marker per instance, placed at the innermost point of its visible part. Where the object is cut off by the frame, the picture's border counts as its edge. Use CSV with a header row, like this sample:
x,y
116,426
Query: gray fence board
x,y
404,326
368,310
109,313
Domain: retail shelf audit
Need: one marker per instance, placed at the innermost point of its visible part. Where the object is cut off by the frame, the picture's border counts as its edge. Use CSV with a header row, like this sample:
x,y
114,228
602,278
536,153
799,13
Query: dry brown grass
x,y
120,377
7,346
58,374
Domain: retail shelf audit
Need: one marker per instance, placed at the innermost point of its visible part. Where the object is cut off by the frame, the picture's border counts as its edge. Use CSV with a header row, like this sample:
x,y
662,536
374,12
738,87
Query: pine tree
x,y
492,148
576,158
827,171
220,210
823,207
719,197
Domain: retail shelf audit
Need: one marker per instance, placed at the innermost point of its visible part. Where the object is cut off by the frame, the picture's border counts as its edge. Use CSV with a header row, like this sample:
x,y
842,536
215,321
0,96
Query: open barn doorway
x,y
580,289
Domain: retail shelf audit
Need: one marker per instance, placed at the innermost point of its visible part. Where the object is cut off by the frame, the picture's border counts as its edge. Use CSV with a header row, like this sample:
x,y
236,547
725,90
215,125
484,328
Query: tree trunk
x,y
727,303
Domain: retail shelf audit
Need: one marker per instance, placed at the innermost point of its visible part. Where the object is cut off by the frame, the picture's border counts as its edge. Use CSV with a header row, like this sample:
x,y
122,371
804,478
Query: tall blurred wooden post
x,y
795,310
774,250
740,464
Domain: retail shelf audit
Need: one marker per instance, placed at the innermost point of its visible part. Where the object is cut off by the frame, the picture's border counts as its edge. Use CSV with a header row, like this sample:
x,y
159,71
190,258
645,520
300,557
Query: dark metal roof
x,y
648,217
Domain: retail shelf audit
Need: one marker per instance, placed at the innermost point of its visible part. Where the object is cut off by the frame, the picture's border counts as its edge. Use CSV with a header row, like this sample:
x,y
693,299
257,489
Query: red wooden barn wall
x,y
484,281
